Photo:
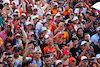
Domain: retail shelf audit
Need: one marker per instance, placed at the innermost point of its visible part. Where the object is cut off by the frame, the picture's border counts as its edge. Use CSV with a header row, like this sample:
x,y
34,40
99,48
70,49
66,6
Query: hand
x,y
56,47
95,60
22,27
12,25
92,18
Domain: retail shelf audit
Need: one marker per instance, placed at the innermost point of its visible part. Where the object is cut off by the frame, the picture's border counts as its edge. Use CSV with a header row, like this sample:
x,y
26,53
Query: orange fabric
x,y
54,11
53,50
66,35
66,12
72,60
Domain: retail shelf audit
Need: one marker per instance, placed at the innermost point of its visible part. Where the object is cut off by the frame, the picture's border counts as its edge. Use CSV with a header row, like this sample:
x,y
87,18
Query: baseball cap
x,y
16,11
35,8
38,50
66,52
17,35
48,13
72,60
43,29
17,26
28,23
36,16
23,14
16,49
58,14
55,4
29,5
98,28
58,61
76,10
83,58
75,18
31,33
98,56
49,17
14,14
48,51
83,42
64,48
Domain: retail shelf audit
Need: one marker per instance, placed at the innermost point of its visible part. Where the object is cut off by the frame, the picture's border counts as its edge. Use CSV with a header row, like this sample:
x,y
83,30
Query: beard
x,y
10,65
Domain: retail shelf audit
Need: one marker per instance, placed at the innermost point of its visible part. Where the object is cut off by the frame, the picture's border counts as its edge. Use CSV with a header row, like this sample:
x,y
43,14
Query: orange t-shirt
x,y
66,12
54,11
53,50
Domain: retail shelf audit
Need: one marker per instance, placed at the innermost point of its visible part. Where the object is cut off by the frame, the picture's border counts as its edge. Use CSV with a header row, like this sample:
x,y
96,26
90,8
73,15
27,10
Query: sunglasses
x,y
18,37
17,51
84,60
8,46
37,53
10,60
49,19
32,35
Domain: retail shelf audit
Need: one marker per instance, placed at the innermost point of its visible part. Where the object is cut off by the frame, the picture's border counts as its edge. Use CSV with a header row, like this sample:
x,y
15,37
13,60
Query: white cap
x,y
35,8
16,10
48,13
55,4
13,2
23,14
83,58
58,14
98,28
76,10
75,18
97,56
83,42
27,23
58,61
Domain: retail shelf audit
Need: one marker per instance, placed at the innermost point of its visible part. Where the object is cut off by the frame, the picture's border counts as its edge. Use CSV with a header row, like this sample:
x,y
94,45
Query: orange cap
x,y
72,60
65,47
66,52
17,26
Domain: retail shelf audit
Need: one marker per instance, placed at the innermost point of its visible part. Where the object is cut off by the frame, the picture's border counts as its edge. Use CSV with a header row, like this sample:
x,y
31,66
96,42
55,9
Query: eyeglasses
x,y
49,19
32,35
8,46
10,60
16,51
18,29
84,60
15,15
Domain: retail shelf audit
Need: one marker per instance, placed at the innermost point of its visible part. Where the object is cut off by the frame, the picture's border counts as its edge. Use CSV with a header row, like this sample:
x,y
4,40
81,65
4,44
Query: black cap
x,y
16,49
88,12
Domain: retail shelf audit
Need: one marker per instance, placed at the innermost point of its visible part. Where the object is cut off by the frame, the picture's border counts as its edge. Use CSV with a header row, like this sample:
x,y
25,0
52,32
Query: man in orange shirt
x,y
67,10
54,48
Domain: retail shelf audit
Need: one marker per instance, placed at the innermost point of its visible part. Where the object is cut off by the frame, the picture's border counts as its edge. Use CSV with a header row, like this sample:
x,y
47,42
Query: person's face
x,y
16,53
17,30
37,55
7,28
46,25
87,15
48,61
31,45
69,28
49,21
18,38
44,32
30,8
31,37
35,11
58,18
10,62
29,27
82,46
66,8
66,56
72,64
55,7
8,45
50,42
85,63
75,42
60,65
80,32
87,37
59,38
